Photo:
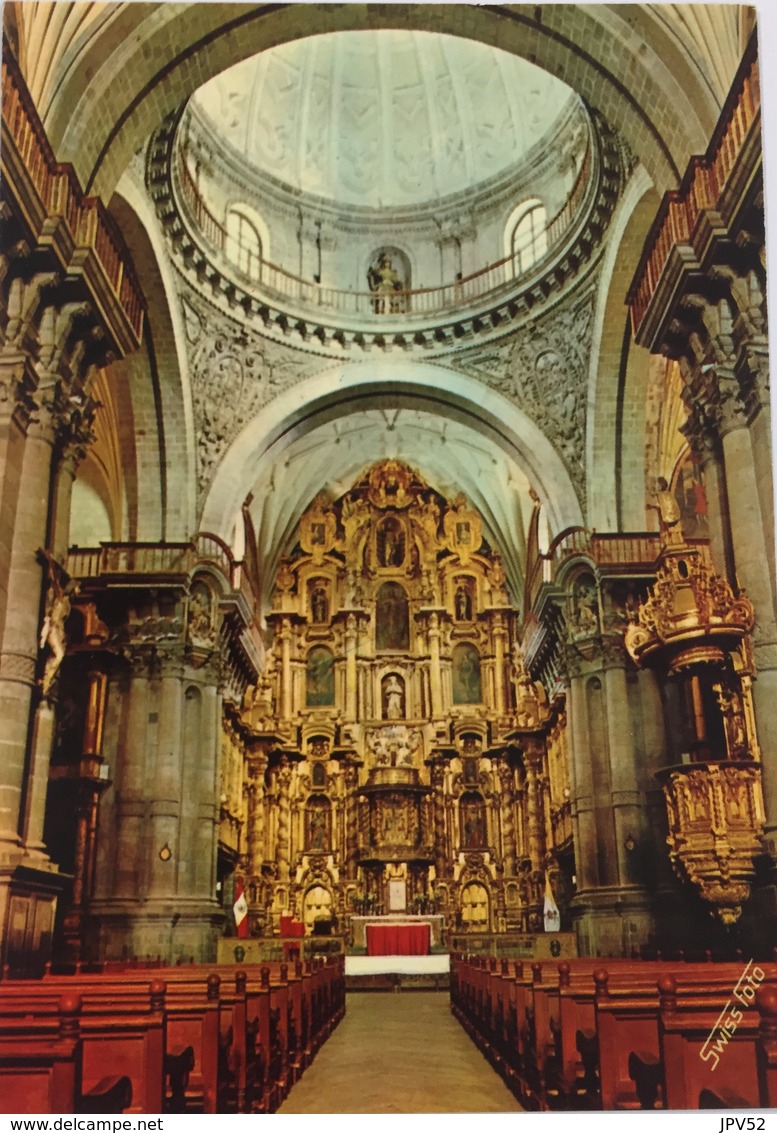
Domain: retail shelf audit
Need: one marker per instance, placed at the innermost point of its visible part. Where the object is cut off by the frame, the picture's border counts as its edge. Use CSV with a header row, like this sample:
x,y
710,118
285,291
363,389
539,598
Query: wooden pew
x,y
41,1067
115,1042
707,1043
225,1045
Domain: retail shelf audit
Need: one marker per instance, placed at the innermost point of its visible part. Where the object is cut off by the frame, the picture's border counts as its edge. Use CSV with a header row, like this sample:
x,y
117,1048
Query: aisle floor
x,y
399,1052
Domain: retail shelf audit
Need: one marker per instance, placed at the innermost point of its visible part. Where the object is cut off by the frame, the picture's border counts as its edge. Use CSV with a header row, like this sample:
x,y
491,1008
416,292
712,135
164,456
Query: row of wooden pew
x,y
624,1034
191,1039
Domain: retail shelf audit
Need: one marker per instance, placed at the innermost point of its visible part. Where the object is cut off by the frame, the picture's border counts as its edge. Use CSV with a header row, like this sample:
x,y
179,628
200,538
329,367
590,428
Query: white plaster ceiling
x,y
382,118
450,456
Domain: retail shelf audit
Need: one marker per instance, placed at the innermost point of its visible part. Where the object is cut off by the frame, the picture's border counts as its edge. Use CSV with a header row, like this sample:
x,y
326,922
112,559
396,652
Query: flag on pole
x,y
552,916
240,909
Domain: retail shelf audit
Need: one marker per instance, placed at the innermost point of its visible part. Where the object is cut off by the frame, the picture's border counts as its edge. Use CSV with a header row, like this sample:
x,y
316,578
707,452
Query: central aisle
x,y
399,1053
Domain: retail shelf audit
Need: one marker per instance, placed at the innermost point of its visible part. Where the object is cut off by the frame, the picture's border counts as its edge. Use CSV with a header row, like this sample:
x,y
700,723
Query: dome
x,y
383,118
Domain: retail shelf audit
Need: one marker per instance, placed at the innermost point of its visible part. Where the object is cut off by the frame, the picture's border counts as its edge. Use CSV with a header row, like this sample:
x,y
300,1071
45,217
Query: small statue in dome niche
x,y
383,281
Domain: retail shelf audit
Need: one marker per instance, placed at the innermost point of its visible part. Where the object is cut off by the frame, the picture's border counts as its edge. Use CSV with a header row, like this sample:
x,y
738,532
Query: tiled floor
x,y
399,1053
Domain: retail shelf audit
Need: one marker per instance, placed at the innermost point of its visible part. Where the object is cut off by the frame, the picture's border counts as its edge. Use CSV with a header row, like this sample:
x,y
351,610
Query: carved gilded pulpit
x,y
695,629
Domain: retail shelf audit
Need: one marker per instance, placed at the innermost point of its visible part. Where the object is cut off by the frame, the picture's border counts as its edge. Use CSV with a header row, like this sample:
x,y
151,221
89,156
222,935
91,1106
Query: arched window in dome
x,y
244,247
526,235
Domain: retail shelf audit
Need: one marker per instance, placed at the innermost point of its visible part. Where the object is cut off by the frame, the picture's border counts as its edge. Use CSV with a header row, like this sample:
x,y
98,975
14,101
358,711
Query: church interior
x,y
387,551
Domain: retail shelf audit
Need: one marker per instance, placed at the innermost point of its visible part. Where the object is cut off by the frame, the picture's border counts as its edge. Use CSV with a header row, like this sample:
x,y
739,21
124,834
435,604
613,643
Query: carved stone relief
x,y
543,368
234,372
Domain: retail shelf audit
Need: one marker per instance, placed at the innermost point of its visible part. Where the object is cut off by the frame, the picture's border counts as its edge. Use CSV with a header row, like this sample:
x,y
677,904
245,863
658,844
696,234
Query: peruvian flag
x,y
240,908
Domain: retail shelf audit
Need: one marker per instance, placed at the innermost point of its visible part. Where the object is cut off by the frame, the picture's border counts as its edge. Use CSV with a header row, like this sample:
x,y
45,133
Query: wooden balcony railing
x,y
702,185
266,276
60,195
635,551
162,559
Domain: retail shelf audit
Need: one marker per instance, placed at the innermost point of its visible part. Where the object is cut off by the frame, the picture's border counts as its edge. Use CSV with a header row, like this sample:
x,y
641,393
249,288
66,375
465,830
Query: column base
x,y
614,921
29,892
171,929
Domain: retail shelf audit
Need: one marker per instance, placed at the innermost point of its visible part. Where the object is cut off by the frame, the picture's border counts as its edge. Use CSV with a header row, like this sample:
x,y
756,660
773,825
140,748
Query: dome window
x,y
529,235
243,246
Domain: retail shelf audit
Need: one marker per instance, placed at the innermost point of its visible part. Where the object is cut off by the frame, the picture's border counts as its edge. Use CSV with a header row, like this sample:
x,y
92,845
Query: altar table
x,y
435,921
397,939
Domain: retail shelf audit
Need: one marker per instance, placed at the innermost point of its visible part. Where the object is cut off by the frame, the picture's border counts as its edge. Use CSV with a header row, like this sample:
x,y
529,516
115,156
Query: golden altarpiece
x,y
395,735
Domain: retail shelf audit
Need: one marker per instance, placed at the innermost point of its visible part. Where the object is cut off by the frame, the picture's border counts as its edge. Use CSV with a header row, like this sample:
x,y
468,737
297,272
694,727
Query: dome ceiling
x,y
382,118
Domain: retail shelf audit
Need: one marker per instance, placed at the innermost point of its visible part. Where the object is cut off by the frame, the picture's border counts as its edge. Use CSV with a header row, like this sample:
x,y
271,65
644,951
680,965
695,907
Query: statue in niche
x,y
465,665
463,603
52,632
317,820
730,704
392,629
473,821
319,605
200,616
669,514
393,698
320,674
391,543
384,282
586,609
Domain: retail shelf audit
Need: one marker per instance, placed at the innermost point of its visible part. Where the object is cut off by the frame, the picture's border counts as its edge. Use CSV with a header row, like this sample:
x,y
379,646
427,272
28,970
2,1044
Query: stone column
x,y
351,633
351,779
17,379
500,638
752,558
20,644
507,797
627,801
535,826
166,801
438,787
257,766
434,666
283,848
130,868
204,843
582,793
48,407
287,690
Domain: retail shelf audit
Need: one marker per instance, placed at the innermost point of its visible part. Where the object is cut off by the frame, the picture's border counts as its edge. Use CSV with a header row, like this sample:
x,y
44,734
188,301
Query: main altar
x,y
403,934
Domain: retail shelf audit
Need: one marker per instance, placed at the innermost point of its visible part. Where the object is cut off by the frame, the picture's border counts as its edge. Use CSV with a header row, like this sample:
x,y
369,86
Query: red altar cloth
x,y
398,939
290,927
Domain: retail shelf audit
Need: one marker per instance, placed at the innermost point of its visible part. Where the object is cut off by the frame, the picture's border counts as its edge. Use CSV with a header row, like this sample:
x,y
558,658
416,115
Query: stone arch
x,y
617,389
106,106
337,392
162,438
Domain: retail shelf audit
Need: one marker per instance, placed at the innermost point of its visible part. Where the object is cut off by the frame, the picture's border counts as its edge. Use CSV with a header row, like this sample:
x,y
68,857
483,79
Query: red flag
x,y
240,909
